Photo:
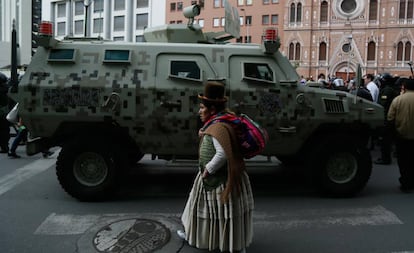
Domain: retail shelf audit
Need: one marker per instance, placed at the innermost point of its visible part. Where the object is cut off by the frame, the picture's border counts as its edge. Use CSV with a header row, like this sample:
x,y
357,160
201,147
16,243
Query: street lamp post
x,y
349,56
86,3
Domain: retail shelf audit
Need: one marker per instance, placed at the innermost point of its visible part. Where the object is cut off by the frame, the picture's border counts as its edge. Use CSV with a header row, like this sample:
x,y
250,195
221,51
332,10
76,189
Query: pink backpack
x,y
251,136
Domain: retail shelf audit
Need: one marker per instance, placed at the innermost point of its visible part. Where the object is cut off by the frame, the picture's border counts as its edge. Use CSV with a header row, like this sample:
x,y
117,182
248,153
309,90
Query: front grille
x,y
334,106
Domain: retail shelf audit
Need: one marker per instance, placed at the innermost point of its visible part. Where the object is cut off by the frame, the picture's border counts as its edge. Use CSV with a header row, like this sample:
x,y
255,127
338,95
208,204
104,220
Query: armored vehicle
x,y
107,103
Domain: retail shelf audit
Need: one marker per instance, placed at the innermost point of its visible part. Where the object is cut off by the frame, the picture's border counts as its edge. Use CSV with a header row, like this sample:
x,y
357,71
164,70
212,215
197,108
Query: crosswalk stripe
x,y
376,215
70,224
19,175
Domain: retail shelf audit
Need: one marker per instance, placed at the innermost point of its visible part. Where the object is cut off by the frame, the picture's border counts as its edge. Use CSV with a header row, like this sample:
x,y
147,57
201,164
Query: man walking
x,y
371,86
401,117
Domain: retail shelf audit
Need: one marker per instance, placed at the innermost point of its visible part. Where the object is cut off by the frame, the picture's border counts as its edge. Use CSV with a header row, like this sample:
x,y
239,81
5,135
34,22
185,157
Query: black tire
x,y
340,167
88,171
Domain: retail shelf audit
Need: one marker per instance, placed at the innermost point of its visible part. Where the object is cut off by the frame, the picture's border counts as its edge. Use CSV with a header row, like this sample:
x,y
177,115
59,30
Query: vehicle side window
x,y
257,71
185,70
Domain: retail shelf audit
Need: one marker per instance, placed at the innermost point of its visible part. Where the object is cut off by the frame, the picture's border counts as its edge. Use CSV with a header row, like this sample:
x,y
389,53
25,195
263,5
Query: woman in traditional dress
x,y
219,210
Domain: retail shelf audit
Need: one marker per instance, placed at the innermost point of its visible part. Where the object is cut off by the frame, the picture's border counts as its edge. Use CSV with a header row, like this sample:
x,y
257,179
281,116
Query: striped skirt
x,y
210,224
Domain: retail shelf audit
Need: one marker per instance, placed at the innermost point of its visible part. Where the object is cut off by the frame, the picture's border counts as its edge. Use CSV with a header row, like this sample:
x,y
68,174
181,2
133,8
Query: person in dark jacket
x,y
4,109
386,96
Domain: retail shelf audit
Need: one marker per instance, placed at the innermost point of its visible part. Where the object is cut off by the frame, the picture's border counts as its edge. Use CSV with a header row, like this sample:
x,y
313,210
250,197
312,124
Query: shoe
x,y
182,234
406,189
382,162
47,154
14,155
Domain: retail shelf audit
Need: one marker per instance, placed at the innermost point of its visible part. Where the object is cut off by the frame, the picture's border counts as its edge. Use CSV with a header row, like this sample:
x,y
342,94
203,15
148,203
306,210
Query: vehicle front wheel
x,y
87,172
340,169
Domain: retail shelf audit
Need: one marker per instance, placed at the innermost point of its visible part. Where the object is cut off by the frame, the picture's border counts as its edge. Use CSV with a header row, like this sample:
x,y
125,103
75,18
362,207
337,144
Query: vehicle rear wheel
x,y
87,172
340,169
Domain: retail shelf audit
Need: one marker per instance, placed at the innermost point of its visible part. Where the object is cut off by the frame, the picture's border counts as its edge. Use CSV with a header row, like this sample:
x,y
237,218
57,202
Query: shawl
x,y
226,136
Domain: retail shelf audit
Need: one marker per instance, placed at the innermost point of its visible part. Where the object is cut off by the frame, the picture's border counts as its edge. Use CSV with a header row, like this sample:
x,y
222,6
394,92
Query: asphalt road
x,y
36,215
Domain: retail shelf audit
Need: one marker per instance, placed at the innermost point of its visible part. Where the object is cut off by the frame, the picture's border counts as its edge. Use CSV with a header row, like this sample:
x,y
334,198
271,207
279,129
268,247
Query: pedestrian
x,y
219,211
386,96
371,86
4,109
21,136
401,117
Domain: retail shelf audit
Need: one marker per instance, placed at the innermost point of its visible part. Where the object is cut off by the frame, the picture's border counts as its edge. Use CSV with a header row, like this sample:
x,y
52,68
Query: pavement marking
x,y
20,175
73,224
69,224
314,218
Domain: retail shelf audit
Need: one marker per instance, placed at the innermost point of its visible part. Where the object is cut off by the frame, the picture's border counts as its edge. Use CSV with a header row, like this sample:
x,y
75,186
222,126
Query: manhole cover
x,y
132,236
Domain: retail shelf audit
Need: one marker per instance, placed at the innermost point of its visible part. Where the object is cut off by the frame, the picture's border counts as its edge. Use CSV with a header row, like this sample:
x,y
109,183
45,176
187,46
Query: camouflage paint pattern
x,y
160,110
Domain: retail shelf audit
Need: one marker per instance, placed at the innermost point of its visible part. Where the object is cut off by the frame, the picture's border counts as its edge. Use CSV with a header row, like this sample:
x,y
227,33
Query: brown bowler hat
x,y
213,92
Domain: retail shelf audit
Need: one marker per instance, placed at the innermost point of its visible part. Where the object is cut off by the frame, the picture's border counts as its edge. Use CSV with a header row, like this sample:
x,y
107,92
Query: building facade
x,y
331,37
121,20
14,11
255,16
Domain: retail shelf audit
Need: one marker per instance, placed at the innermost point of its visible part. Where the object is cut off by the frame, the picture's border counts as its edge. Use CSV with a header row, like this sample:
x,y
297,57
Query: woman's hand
x,y
205,173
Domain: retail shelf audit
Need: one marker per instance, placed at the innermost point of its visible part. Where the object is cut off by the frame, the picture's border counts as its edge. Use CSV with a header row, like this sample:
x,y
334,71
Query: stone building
x,y
322,36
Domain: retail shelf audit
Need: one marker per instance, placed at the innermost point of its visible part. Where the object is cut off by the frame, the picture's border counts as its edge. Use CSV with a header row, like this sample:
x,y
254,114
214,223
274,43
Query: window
x,y
142,3
322,51
223,21
265,19
249,2
61,10
240,2
299,13
275,1
201,22
139,38
79,27
324,11
407,55
142,21
98,25
118,38
79,8
117,55
248,20
119,5
266,1
404,51
292,13
179,6
185,70
291,51
297,52
402,9
201,3
216,22
172,6
62,55
257,71
275,19
371,51
373,6
410,9
61,28
119,23
400,51
217,3
294,51
98,6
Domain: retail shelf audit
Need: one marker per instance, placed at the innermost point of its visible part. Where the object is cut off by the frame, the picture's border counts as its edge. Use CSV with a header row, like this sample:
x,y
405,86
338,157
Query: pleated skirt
x,y
210,224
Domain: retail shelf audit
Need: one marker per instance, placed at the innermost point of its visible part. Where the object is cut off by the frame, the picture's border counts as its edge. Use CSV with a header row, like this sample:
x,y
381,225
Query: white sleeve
x,y
218,160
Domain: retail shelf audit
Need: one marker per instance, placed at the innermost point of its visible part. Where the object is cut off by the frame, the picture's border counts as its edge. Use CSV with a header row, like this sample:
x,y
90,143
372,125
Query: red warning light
x,y
46,28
